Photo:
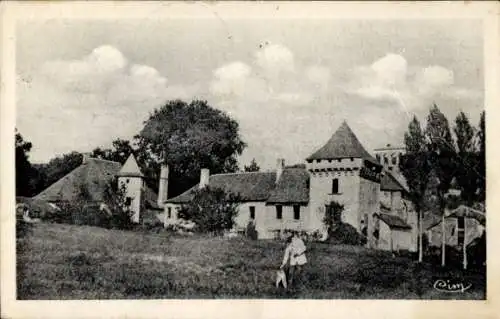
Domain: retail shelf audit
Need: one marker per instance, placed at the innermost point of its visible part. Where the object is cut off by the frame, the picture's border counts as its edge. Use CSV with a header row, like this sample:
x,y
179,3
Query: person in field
x,y
295,256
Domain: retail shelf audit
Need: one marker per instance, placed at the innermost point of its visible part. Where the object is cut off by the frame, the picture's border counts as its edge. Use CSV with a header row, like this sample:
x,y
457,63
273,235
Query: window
x,y
335,186
394,160
252,212
128,180
169,212
352,159
296,212
378,157
279,212
461,222
386,160
128,201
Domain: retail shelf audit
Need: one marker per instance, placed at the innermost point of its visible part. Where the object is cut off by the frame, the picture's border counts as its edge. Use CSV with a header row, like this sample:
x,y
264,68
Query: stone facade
x,y
341,171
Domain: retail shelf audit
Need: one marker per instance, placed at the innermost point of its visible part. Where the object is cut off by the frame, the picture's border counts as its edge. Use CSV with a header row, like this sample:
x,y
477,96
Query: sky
x,y
288,82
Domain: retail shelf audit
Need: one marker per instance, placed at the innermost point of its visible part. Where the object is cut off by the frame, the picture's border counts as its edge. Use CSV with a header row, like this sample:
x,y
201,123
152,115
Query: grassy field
x,y
77,262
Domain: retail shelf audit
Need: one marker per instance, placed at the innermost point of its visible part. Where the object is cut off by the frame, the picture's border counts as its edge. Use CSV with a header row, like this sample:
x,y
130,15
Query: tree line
x,y
186,136
439,158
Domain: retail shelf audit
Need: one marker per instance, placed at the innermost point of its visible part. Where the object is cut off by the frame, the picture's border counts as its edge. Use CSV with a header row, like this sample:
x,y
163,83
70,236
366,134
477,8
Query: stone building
x,y
297,197
88,183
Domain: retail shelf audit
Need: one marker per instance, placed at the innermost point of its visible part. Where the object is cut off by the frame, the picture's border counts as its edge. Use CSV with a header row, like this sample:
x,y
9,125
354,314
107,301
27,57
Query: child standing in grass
x,y
295,253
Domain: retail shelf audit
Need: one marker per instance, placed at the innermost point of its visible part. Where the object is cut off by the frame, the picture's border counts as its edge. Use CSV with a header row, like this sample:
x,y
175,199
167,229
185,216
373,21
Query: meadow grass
x,y
80,262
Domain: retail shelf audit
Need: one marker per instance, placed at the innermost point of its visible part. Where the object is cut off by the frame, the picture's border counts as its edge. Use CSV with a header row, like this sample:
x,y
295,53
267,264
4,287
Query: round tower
x,y
131,179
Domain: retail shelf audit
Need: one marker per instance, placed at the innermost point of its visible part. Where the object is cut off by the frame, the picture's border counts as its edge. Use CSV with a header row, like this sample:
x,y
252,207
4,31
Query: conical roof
x,y
130,168
342,144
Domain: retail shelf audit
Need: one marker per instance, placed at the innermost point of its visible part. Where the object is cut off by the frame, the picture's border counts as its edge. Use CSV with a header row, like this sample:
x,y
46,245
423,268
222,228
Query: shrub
x,y
346,234
251,232
333,215
211,209
115,199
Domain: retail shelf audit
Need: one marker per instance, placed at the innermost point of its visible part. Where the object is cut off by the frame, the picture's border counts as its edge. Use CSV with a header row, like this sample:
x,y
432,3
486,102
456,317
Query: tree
x,y
333,215
442,157
212,210
56,168
467,174
119,214
189,137
253,167
24,170
120,151
414,166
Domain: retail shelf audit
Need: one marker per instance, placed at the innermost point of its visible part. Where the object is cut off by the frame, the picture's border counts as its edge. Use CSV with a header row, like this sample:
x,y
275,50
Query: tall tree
x,y
119,152
442,156
414,166
467,174
24,170
188,137
252,167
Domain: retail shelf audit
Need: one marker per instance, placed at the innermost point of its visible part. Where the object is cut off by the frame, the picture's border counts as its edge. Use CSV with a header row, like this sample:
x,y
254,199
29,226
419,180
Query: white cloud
x,y
270,80
81,104
413,88
275,59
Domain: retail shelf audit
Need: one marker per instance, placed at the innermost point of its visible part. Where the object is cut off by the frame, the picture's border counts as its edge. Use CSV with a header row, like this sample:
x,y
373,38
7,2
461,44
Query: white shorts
x,y
299,260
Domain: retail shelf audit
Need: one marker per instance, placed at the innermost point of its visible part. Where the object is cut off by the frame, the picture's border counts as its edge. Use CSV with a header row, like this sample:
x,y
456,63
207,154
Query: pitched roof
x,y
342,144
293,187
90,177
393,221
130,168
390,183
251,186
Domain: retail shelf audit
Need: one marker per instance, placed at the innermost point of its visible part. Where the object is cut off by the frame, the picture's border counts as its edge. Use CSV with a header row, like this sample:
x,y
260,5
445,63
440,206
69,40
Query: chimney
x,y
280,165
204,176
163,189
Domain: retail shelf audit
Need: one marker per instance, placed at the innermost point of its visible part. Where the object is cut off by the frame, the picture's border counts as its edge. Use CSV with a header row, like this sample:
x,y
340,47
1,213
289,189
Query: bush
x,y
332,215
153,226
212,210
251,232
346,234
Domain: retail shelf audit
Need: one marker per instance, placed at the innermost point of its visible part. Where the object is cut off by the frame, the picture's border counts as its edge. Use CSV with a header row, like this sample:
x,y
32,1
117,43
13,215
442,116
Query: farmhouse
x,y
297,197
89,182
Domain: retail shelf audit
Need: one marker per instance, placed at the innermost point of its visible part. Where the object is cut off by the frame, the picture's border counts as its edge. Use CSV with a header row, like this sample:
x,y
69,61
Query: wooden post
x,y
443,241
464,244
